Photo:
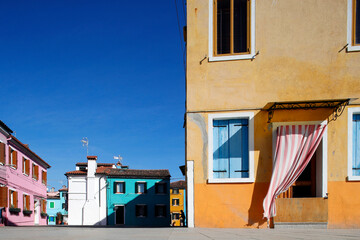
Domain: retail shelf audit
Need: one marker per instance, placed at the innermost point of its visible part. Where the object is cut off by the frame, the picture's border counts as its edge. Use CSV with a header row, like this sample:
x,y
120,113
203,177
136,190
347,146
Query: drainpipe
x,y
100,195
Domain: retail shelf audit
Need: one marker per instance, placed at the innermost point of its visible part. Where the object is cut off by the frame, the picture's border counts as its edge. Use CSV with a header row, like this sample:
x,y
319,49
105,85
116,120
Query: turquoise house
x,y
57,203
138,197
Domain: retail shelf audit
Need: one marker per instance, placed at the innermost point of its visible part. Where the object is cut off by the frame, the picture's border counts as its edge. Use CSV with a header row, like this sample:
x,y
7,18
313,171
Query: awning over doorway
x,y
338,106
295,146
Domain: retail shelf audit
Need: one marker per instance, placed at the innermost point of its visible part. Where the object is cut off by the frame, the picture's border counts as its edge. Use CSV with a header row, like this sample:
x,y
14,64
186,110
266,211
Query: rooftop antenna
x,y
85,142
119,158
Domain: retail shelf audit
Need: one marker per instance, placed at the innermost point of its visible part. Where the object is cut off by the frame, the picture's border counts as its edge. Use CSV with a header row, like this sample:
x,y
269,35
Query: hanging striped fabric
x,y
295,145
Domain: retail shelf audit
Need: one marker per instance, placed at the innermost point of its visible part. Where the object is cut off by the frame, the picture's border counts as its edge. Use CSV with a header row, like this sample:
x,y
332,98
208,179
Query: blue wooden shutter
x,y
356,145
220,149
239,148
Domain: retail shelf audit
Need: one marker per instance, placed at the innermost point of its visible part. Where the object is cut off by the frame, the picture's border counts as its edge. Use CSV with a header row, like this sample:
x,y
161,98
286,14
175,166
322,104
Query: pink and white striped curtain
x,y
295,145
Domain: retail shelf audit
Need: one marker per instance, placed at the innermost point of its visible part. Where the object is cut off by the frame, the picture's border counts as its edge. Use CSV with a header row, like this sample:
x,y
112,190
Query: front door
x,y
36,211
120,215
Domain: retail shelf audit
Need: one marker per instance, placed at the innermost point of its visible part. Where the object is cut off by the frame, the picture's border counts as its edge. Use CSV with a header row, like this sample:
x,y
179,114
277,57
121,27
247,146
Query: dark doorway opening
x,y
120,215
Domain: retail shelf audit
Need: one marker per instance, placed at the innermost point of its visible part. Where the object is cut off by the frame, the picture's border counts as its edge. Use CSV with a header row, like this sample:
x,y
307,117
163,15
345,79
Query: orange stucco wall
x,y
178,208
299,60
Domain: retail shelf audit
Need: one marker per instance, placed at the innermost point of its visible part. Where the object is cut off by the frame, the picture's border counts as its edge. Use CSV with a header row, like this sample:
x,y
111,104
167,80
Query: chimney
x,y
91,180
91,166
52,189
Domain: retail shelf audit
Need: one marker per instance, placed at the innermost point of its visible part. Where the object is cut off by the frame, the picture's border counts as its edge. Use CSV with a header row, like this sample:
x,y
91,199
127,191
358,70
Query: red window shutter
x,y
15,158
24,201
9,155
27,166
45,177
44,205
28,202
2,153
3,196
15,199
37,172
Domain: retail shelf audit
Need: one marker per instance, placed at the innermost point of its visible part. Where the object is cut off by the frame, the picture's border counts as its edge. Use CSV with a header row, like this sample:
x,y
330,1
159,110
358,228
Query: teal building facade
x,y
57,203
138,198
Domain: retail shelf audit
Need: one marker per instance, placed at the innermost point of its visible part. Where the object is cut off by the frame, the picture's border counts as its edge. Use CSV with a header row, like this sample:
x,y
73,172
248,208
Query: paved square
x,y
89,233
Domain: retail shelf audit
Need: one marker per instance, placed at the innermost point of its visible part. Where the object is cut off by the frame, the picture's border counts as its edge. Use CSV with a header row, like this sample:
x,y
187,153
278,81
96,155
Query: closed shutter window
x,y
2,153
231,148
3,196
44,177
356,145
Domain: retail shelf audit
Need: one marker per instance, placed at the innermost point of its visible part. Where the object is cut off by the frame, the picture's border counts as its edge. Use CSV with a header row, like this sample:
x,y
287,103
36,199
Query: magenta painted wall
x,y
16,180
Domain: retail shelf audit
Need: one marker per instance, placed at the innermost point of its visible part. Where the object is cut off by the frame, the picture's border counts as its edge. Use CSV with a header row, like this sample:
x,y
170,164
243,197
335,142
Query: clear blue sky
x,y
111,71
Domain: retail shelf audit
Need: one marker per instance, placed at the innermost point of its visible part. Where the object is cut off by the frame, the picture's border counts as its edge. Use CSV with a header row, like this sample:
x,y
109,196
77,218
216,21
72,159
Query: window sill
x,y
353,178
25,174
13,167
119,193
231,180
352,48
231,57
35,179
141,216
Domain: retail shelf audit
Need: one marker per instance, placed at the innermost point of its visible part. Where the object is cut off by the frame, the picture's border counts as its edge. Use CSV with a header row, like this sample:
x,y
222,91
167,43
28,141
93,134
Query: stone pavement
x,y
90,233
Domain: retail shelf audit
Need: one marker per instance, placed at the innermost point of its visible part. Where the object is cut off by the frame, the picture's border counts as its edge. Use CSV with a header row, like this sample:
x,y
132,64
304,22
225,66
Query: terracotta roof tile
x,y
98,164
134,173
178,184
76,172
27,147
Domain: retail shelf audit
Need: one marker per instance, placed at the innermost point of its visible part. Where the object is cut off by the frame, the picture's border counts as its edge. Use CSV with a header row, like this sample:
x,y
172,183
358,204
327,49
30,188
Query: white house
x,y
87,194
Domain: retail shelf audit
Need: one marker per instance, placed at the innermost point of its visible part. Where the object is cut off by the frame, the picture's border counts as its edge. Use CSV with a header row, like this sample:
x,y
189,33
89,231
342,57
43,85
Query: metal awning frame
x,y
337,105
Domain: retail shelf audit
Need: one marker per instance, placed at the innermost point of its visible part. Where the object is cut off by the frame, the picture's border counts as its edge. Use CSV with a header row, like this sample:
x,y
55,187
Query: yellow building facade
x,y
177,202
244,56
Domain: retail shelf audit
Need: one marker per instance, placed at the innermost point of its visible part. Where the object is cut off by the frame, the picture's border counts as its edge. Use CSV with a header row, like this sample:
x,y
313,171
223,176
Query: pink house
x,y
23,178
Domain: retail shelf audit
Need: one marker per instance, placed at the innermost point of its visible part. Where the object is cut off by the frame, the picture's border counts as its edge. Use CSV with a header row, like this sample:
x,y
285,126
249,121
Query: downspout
x,y
100,197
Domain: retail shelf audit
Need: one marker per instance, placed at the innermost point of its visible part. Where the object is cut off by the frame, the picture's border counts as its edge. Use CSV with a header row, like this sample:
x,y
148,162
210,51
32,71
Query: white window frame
x,y
228,116
350,46
351,112
23,170
251,55
24,202
11,163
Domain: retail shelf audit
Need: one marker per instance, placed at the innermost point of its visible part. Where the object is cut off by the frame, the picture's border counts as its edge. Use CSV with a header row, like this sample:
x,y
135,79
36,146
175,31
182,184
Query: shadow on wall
x,y
263,146
150,200
28,222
